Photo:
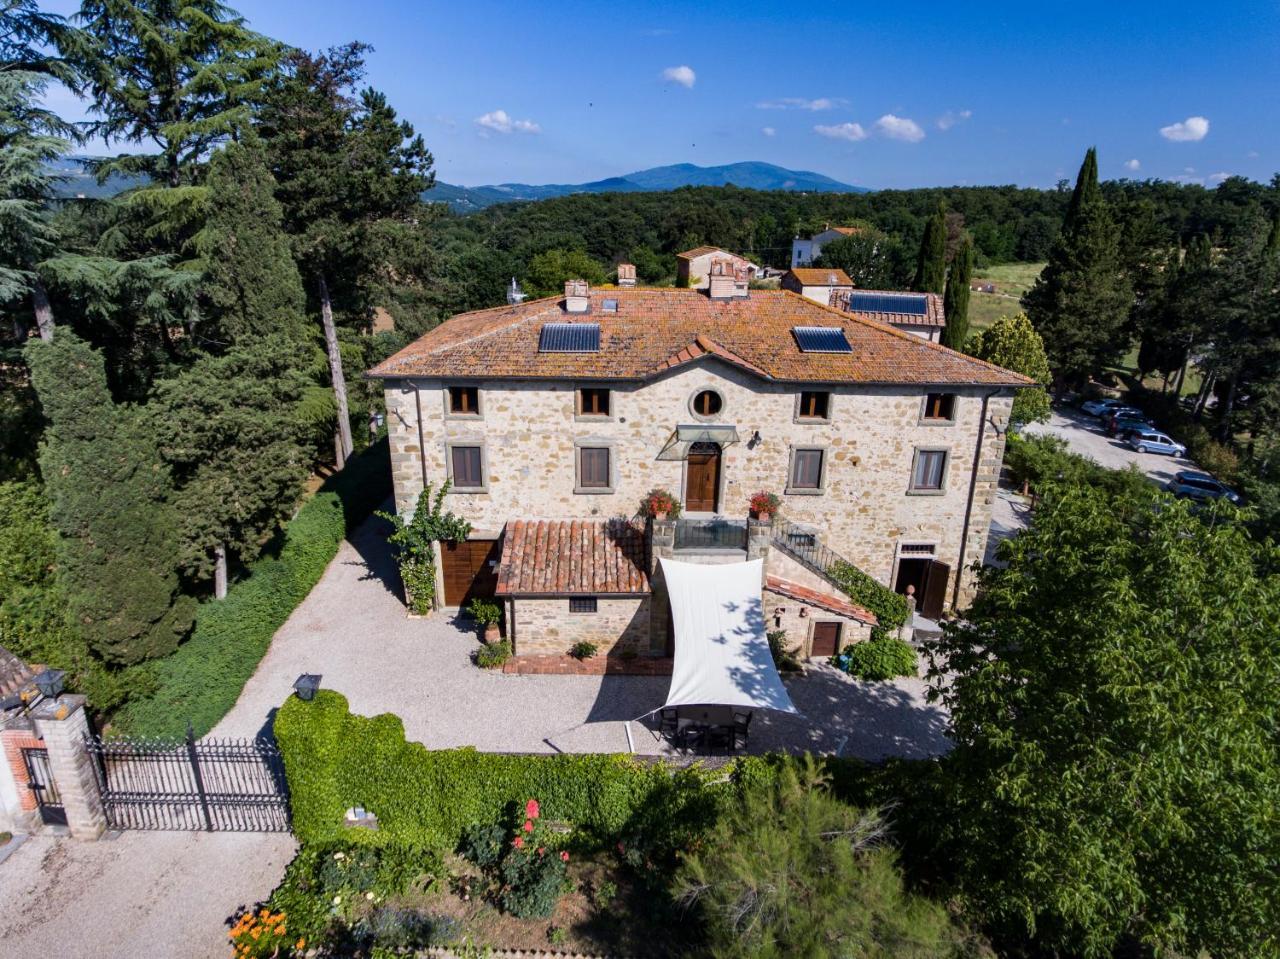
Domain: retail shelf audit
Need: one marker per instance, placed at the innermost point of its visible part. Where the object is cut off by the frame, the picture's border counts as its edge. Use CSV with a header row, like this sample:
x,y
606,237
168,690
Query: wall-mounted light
x,y
754,441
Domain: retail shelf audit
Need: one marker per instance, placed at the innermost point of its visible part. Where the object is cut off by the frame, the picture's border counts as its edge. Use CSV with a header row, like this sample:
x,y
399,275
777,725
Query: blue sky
x,y
880,95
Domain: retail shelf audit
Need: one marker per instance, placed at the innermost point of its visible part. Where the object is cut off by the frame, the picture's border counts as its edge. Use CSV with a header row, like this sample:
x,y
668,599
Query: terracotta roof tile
x,y
703,251
847,230
654,326
813,276
572,558
834,604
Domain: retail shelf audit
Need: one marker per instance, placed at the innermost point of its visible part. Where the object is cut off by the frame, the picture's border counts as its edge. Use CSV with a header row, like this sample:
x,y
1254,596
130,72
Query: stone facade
x,y
546,625
530,434
797,620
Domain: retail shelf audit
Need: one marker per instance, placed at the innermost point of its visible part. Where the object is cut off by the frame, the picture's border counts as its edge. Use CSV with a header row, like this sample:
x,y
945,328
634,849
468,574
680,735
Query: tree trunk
x,y
339,458
1182,376
1206,389
44,312
1224,421
335,371
220,571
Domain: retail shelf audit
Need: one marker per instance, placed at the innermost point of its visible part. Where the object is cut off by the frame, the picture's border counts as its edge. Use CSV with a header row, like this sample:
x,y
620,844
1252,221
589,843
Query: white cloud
x,y
1132,165
769,131
498,121
1219,177
1188,130
1252,155
899,128
800,103
951,118
852,132
682,75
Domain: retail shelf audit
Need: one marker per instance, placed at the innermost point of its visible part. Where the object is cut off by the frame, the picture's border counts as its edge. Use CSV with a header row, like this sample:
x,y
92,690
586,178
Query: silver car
x,y
1153,441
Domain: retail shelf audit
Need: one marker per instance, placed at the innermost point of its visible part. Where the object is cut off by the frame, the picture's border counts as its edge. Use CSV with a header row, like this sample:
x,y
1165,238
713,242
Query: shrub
x,y
784,658
891,609
493,655
883,658
426,799
484,612
583,650
415,541
659,501
526,871
263,933
201,681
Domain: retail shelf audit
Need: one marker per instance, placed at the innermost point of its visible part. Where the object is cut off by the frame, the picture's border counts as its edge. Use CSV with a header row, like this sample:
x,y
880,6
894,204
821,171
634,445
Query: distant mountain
x,y
76,181
751,175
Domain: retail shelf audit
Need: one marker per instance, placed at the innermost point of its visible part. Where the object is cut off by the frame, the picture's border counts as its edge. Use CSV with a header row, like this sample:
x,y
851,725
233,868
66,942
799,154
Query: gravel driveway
x,y
352,629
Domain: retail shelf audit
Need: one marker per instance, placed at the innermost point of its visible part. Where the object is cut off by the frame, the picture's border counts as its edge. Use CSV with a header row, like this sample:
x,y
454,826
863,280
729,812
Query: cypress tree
x,y
931,267
956,300
108,497
1080,303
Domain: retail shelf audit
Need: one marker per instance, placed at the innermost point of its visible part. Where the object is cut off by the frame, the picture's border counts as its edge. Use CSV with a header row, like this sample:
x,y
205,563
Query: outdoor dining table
x,y
696,726
703,716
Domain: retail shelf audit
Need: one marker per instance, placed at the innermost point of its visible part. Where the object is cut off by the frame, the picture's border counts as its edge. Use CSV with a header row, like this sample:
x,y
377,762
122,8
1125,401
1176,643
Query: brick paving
x,y
562,664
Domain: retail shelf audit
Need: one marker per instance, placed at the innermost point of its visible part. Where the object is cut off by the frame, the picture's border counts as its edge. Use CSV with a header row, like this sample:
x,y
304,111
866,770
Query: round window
x,y
708,403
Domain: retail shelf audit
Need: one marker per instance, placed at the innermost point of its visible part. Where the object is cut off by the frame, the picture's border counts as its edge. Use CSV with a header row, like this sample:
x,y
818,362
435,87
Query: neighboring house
x,y
693,267
554,417
816,285
804,252
919,314
18,812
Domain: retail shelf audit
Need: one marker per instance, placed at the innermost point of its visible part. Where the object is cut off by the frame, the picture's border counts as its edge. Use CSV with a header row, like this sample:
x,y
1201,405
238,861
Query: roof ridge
x,y
894,331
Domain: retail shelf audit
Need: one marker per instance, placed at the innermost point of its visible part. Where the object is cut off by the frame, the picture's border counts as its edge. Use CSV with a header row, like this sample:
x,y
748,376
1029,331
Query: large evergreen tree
x,y
931,265
109,497
1080,303
350,177
955,302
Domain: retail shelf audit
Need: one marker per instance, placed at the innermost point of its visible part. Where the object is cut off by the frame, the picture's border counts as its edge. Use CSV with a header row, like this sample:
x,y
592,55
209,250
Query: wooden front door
x,y
826,639
935,590
702,478
469,570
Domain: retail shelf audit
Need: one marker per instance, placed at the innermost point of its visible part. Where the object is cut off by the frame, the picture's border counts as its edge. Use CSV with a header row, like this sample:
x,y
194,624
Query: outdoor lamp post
x,y
50,682
306,685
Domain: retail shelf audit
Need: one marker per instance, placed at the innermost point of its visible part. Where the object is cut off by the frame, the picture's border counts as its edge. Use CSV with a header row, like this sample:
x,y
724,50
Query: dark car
x,y
1124,413
1189,484
1122,426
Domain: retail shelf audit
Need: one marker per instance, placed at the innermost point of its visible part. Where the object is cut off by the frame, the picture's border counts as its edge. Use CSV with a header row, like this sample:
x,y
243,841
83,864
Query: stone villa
x,y
553,418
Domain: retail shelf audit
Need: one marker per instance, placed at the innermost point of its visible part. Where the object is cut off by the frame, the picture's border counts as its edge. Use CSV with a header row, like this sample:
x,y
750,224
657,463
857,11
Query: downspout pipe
x,y
973,489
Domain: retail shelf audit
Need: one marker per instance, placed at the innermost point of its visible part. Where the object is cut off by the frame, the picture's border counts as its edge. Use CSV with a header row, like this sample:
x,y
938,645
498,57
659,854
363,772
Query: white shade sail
x,y
722,653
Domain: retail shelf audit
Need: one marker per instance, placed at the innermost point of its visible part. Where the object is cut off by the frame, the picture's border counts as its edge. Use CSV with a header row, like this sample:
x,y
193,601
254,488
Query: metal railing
x,y
804,545
697,534
220,785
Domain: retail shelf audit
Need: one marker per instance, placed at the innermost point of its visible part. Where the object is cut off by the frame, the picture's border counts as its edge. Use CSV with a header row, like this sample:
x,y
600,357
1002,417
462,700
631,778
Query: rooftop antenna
x,y
515,295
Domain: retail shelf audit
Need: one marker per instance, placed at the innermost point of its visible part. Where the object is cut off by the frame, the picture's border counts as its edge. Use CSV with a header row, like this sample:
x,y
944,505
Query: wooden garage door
x,y
470,569
826,639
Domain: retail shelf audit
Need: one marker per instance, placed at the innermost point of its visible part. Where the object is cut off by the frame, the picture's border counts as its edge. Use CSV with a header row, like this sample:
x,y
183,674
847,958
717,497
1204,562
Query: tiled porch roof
x,y
572,558
833,604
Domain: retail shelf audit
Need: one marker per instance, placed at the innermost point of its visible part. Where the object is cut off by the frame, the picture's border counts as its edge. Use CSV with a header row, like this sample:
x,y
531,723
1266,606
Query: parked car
x,y
1122,426
1125,412
1200,486
1151,441
1099,407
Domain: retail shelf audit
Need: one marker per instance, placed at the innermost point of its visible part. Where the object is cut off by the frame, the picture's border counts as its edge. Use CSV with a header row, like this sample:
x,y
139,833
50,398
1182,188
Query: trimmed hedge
x,y
202,680
334,760
884,657
890,608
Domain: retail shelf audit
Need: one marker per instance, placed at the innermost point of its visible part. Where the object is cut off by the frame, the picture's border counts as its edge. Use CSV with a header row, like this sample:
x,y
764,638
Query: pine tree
x,y
1080,303
108,497
931,266
956,300
228,424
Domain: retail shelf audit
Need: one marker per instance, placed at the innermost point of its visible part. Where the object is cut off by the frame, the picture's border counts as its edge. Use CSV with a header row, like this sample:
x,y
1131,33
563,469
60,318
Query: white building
x,y
804,252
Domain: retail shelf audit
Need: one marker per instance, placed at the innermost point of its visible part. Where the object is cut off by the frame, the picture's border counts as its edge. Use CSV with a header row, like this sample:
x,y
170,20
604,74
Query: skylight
x,y
569,338
821,339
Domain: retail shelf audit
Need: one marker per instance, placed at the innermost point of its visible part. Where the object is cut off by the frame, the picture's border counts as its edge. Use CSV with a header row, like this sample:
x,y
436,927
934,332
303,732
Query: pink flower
x,y
564,857
518,842
531,809
541,850
528,825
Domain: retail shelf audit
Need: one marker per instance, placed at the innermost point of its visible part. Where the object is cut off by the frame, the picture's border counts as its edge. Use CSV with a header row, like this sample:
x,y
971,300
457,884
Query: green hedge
x,y
202,680
334,760
889,607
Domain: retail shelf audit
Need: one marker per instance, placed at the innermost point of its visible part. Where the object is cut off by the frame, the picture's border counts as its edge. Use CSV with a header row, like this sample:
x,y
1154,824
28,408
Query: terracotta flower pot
x,y
659,517
492,634
763,517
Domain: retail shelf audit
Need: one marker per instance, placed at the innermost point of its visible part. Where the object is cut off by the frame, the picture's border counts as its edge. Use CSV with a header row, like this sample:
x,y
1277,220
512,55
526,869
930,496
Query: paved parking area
x,y
352,629
1085,435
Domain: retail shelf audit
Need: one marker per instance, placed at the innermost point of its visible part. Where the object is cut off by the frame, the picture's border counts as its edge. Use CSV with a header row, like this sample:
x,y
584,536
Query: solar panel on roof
x,y
569,338
821,339
909,304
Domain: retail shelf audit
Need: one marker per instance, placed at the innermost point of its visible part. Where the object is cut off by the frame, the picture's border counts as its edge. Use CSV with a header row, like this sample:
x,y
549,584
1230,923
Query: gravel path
x,y
153,894
352,629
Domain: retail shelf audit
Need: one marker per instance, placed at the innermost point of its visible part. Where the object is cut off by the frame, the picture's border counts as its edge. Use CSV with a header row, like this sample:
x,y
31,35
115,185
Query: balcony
x,y
710,535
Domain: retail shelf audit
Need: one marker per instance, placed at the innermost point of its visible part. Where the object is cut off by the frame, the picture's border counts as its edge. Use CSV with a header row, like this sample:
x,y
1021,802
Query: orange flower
x,y
300,944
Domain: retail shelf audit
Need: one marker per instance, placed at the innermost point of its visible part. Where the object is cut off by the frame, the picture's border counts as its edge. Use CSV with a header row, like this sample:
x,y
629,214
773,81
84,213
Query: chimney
x,y
727,281
626,274
576,299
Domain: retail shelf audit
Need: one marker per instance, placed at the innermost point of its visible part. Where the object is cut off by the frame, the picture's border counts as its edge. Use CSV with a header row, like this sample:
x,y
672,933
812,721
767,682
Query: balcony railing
x,y
804,545
708,534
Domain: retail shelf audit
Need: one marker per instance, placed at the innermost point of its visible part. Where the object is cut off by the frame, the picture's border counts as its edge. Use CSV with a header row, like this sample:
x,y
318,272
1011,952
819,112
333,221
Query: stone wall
x,y
547,626
799,626
529,431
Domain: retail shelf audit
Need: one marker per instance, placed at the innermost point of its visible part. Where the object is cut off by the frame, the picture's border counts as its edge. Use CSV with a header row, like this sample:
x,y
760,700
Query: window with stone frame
x,y
464,400
940,408
593,467
594,401
814,405
929,472
467,467
583,604
806,469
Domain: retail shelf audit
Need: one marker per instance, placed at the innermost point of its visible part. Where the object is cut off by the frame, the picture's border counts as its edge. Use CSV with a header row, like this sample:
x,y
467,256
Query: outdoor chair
x,y
692,736
667,722
741,729
721,737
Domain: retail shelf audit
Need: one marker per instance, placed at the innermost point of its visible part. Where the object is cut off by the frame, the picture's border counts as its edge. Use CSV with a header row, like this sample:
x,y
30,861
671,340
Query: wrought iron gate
x,y
218,785
43,787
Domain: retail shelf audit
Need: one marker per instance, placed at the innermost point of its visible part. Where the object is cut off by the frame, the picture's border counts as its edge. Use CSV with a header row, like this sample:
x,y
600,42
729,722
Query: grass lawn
x,y
1011,280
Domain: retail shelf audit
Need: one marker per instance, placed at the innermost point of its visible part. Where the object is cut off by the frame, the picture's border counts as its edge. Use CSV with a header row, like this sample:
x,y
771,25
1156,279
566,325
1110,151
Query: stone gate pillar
x,y
63,726
662,542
